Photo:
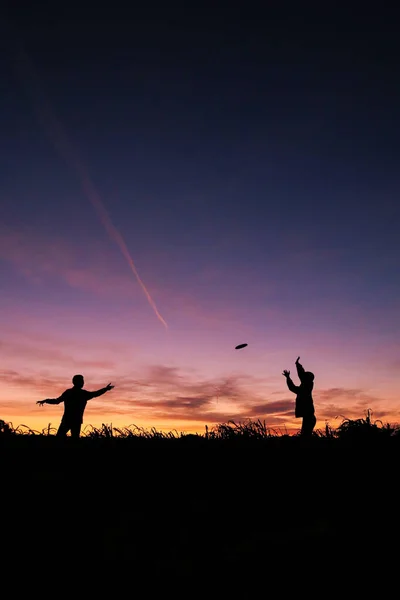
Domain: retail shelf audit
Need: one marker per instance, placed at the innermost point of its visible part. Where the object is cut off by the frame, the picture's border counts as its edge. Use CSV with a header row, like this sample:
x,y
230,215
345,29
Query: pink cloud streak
x,y
44,260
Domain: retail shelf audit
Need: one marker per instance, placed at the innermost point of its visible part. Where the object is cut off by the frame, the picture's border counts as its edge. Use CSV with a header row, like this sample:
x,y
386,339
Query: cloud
x,y
163,393
161,374
358,397
332,393
31,381
94,268
42,259
49,354
278,408
349,403
170,394
186,402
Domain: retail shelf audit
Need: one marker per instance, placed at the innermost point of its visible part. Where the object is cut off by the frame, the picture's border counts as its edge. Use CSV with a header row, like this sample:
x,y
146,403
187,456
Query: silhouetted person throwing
x,y
304,401
75,400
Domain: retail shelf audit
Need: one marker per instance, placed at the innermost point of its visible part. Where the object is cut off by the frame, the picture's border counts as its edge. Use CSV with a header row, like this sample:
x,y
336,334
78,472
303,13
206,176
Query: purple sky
x,y
251,168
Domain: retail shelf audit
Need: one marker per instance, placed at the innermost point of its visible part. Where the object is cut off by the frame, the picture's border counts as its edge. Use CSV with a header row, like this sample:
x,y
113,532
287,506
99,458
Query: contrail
x,y
64,146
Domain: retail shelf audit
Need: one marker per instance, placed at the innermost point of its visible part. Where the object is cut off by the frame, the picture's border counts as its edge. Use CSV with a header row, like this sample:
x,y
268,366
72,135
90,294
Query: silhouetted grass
x,y
349,429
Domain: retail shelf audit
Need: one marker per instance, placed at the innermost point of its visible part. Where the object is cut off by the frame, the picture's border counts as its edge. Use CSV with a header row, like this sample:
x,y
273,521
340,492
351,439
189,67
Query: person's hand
x,y
286,373
41,402
109,387
297,360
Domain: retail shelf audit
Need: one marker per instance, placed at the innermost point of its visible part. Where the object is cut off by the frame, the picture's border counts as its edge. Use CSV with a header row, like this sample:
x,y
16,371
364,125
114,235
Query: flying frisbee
x,y
240,346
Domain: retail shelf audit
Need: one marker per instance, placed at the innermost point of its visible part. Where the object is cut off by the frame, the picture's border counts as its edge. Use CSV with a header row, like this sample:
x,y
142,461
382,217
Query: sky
x,y
176,181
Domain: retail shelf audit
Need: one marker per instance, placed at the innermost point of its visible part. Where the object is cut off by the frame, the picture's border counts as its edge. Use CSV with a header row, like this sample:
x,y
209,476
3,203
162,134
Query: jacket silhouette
x,y
304,407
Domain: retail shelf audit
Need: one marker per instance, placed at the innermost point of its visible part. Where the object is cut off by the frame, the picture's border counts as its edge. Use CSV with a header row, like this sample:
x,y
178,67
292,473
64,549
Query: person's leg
x,y
63,429
76,430
308,425
313,422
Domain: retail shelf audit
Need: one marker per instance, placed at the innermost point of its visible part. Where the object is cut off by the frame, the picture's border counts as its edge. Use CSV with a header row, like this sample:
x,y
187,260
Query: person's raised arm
x,y
100,392
300,369
292,387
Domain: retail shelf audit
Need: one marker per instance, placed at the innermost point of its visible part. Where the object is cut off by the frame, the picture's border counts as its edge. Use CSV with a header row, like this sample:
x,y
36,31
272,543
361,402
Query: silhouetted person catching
x,y
75,400
304,401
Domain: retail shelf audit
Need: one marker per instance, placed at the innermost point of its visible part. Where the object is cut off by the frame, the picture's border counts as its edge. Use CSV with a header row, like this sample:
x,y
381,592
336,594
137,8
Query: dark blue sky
x,y
282,111
249,157
226,122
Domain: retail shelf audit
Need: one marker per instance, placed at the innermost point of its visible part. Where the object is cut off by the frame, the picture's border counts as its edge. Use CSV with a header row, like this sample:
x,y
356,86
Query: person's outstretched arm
x,y
293,388
100,392
300,369
51,401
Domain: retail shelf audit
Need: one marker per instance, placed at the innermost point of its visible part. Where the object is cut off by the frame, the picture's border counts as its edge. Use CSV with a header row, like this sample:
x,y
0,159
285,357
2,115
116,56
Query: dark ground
x,y
199,510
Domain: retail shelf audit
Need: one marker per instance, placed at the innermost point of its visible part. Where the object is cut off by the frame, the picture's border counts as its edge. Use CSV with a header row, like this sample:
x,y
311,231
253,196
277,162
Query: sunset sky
x,y
249,163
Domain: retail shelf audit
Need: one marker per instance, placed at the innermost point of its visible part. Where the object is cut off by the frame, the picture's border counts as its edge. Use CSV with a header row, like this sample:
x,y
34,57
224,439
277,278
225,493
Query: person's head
x,y
78,381
309,376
